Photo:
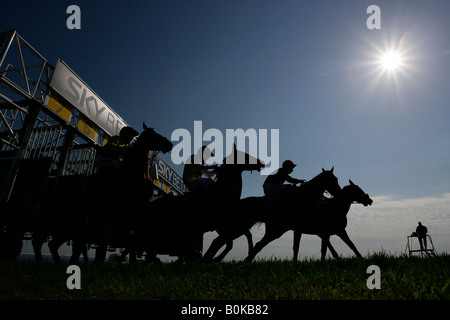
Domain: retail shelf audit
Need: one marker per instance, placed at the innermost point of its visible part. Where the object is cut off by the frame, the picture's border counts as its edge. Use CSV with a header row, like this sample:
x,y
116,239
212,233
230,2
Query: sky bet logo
x,y
78,94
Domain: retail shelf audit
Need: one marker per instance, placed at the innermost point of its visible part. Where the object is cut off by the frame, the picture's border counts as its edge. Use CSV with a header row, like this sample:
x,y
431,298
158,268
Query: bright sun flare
x,y
391,60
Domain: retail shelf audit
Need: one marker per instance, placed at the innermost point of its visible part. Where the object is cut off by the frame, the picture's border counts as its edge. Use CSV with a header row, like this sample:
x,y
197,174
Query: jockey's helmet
x,y
289,164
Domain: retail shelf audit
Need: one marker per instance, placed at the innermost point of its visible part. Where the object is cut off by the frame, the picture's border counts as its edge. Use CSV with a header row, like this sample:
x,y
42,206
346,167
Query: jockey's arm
x,y
207,170
294,180
209,173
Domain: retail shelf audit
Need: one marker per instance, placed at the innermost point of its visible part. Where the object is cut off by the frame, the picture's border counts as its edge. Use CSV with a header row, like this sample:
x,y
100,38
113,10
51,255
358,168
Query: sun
x,y
391,61
388,64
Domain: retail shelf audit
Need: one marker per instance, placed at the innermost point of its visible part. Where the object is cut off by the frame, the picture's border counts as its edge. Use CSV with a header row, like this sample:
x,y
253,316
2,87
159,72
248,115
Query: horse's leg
x,y
344,236
37,242
249,236
216,244
324,246
229,245
102,244
79,247
54,245
152,257
258,247
269,236
100,252
297,237
84,251
151,251
332,250
133,255
83,239
76,252
11,243
123,255
224,252
131,248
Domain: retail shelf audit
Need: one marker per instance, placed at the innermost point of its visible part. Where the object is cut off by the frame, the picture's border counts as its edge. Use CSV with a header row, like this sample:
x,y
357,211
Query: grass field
x,y
401,278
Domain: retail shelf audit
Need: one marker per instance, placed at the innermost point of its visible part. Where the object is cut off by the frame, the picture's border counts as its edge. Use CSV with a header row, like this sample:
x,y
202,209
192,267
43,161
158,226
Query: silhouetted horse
x,y
261,209
174,223
282,214
106,204
331,218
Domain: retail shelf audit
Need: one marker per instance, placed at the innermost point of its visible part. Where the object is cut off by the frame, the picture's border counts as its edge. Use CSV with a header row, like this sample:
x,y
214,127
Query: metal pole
x,y
11,35
24,138
25,77
64,154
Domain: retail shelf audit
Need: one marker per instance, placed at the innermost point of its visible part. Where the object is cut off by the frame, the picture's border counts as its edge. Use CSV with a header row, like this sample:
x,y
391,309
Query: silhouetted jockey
x,y
195,168
421,231
275,182
109,158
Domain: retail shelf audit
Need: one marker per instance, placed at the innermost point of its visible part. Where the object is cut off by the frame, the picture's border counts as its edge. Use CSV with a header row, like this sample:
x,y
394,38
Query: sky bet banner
x,y
169,174
84,99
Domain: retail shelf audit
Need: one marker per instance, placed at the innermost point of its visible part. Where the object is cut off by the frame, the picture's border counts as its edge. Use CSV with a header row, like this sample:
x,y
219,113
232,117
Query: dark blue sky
x,y
307,68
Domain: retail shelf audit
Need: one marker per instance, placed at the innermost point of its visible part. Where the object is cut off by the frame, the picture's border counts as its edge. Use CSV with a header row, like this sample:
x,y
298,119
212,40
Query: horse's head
x,y
229,174
329,181
355,193
242,161
152,140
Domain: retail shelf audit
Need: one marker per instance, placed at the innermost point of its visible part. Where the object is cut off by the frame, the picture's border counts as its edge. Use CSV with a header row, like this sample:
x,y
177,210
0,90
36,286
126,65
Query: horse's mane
x,y
139,141
346,188
312,182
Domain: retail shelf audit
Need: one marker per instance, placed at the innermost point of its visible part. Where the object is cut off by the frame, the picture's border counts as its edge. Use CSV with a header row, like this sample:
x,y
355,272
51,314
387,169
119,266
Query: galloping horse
x,y
103,202
331,218
133,193
264,209
178,221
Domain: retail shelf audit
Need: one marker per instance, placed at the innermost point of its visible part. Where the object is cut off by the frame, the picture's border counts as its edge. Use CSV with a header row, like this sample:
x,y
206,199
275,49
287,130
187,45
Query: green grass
x,y
401,278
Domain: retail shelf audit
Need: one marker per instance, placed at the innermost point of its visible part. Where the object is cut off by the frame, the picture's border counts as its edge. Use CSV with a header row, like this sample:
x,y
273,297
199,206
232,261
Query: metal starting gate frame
x,y
45,137
31,134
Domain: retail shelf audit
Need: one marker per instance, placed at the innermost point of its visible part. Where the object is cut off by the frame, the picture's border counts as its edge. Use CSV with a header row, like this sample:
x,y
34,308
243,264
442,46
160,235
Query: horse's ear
x,y
144,125
351,182
323,170
332,169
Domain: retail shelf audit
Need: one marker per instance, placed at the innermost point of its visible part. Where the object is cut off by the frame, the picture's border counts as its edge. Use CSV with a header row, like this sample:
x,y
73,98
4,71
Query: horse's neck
x,y
136,159
313,188
342,203
230,181
138,146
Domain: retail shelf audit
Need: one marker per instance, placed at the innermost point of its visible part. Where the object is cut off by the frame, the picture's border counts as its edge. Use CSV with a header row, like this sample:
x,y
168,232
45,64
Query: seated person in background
x,y
421,231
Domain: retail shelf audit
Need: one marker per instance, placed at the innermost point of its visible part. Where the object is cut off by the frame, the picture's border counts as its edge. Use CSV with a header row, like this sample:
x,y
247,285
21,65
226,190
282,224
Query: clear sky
x,y
311,69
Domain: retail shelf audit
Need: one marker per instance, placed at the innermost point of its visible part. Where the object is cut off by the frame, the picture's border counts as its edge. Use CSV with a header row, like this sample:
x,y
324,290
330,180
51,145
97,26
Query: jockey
x,y
275,182
110,156
128,135
195,168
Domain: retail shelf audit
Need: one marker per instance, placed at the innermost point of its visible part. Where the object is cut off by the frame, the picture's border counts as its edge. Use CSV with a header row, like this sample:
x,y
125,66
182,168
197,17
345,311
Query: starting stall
x,y
51,124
